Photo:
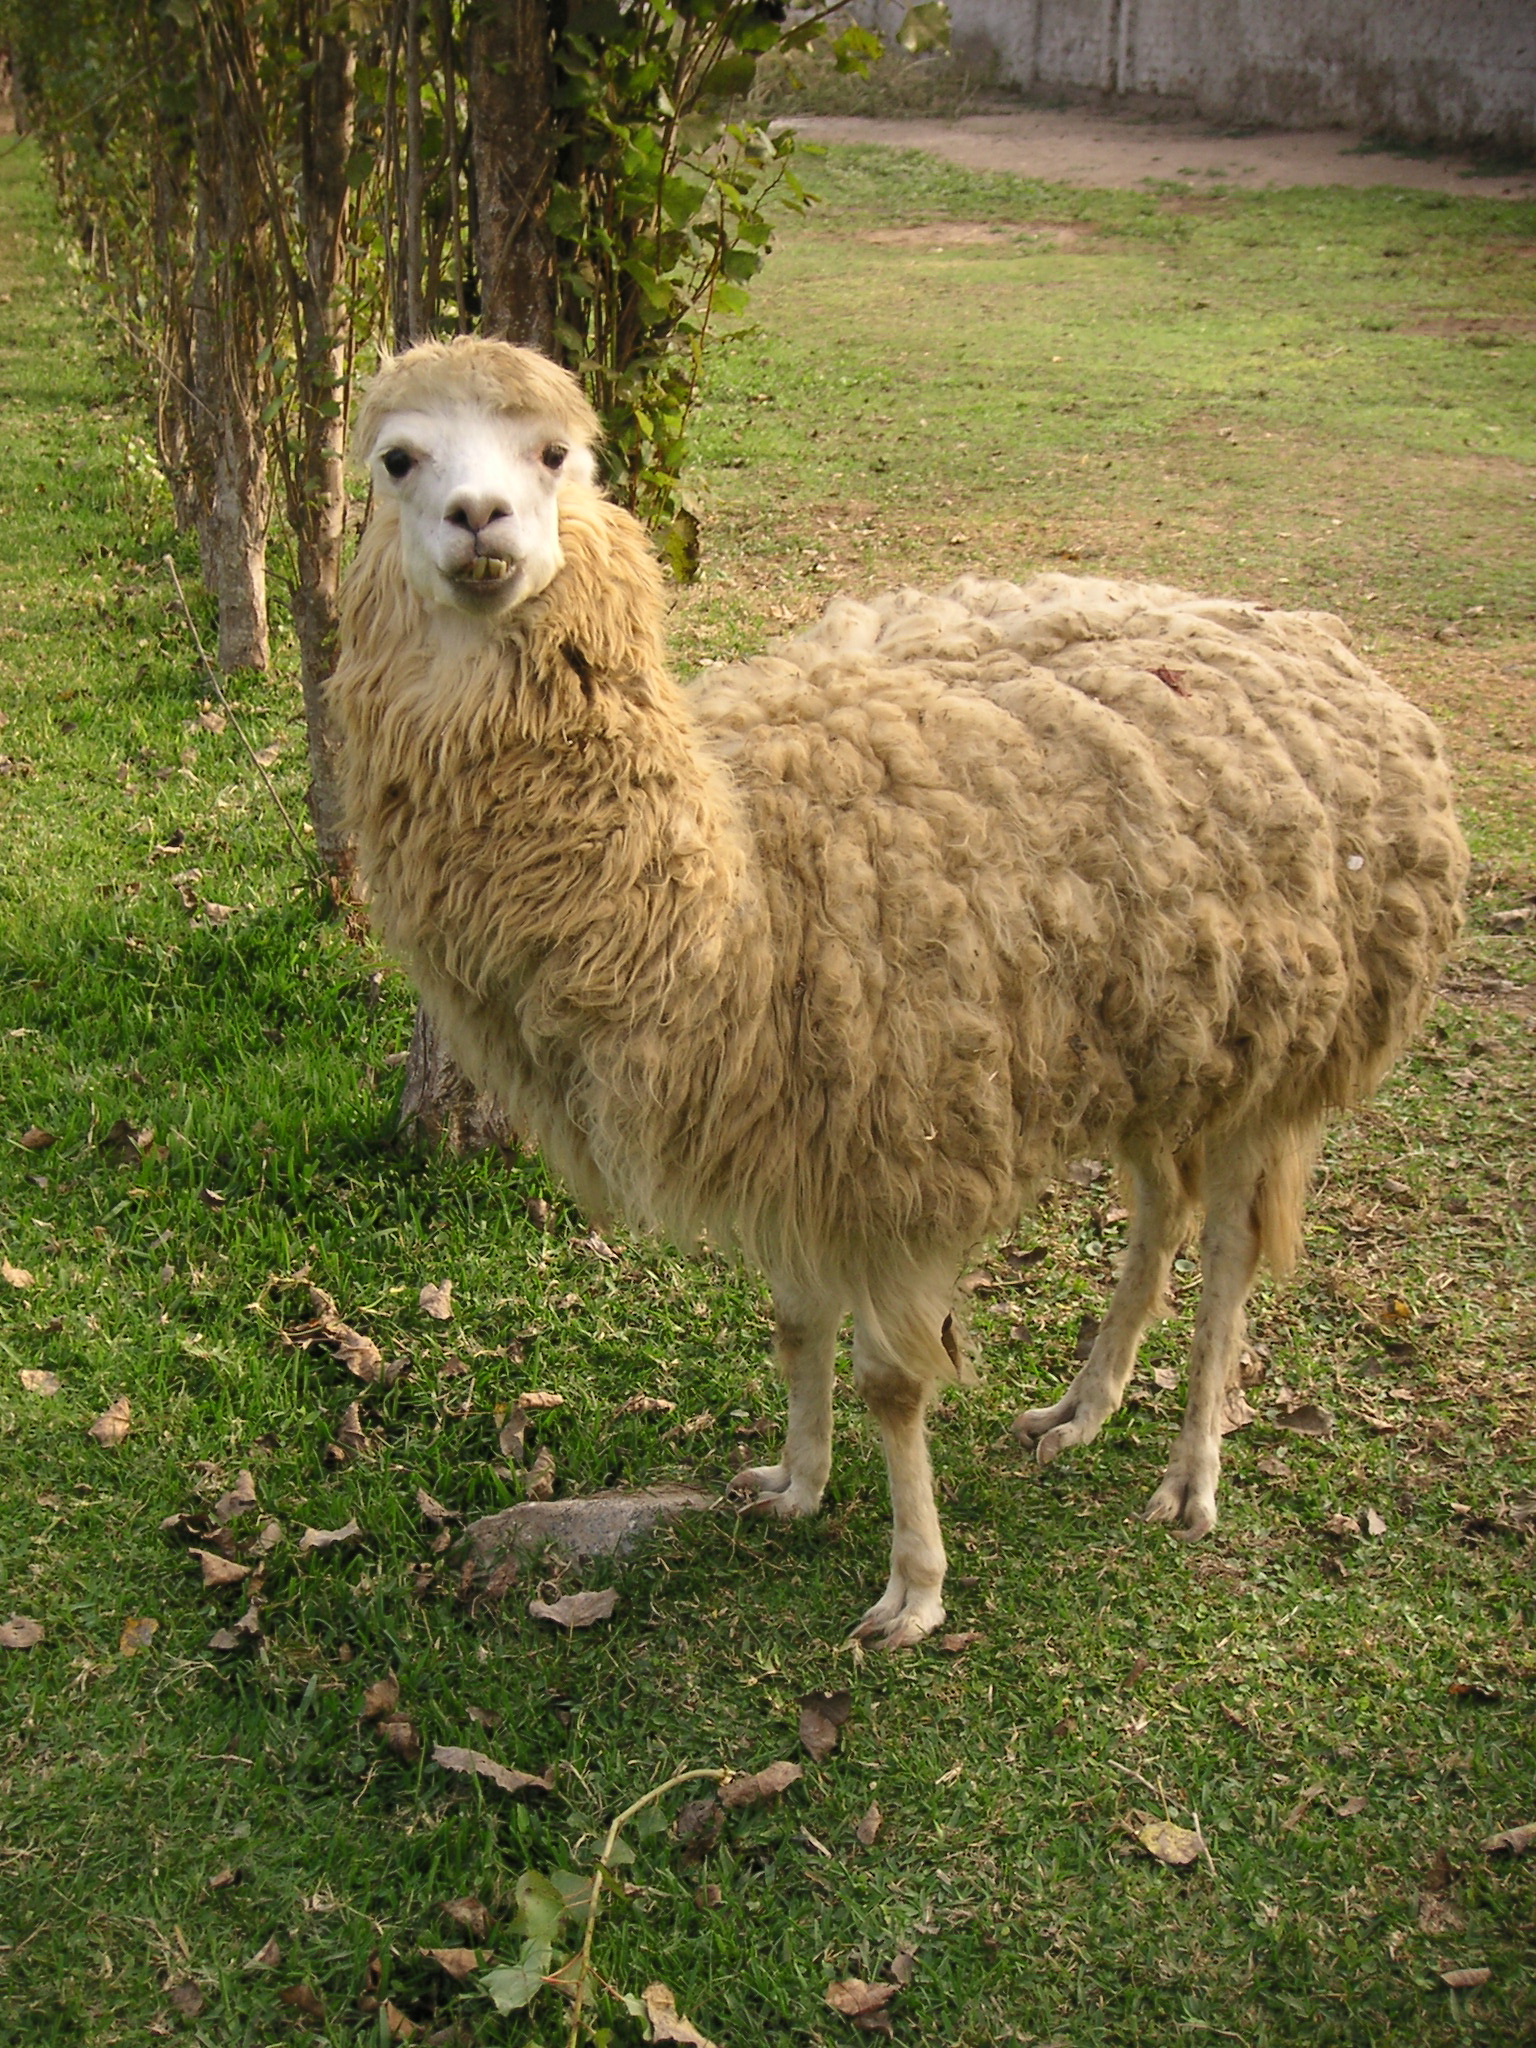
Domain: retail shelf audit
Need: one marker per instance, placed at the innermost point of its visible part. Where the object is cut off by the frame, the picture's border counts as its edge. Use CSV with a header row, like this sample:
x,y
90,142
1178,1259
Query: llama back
x,y
1067,856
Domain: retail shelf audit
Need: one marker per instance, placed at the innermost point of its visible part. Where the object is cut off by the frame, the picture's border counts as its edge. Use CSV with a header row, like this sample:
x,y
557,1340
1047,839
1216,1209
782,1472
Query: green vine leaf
x,y
516,1985
924,28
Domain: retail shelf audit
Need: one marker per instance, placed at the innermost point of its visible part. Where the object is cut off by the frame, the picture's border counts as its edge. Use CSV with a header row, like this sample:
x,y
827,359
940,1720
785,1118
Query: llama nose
x,y
475,510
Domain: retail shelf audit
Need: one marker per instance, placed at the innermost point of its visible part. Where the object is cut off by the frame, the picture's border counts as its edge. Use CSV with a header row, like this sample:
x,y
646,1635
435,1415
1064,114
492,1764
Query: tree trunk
x,y
226,339
511,162
180,425
437,1104
511,124
318,507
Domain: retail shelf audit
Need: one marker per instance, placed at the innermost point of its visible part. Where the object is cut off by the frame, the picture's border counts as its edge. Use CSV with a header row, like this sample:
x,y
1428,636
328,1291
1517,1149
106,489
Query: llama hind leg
x,y
1161,1203
899,1349
805,1341
1229,1258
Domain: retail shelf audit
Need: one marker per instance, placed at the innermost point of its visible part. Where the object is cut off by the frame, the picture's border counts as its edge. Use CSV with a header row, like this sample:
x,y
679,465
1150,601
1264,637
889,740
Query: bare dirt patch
x,y
1084,146
938,236
1497,327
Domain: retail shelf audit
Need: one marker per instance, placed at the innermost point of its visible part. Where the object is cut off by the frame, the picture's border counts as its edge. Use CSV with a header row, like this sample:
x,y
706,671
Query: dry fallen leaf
x,y
470,1915
477,1765
301,1999
645,1404
267,1957
138,1633
1298,1812
667,2023
899,1968
21,1632
822,1714
510,1437
698,1824
541,1476
380,1698
1374,1525
35,1140
437,1301
539,1400
401,1737
266,757
220,1571
1511,1841
856,2000
761,1785
432,1510
576,1610
248,1629
1307,1420
1349,1808
869,1826
1235,1411
1342,1525
351,1437
18,1276
186,1998
1465,1980
223,1879
270,1537
110,1429
1170,1844
37,1382
458,1963
240,1499
359,1354
327,1539
957,1645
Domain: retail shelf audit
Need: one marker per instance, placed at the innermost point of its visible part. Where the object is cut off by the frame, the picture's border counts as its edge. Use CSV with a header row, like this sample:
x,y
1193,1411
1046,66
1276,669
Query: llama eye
x,y
554,455
399,462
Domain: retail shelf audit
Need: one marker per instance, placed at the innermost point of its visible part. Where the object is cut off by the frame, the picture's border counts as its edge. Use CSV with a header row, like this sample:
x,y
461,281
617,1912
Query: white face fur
x,y
478,496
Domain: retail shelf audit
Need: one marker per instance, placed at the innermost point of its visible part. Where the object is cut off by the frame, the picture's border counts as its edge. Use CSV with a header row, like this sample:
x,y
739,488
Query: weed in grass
x,y
1116,383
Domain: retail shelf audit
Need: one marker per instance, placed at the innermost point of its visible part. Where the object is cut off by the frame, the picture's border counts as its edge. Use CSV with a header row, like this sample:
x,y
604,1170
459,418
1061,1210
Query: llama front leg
x,y
896,1359
805,1343
1229,1258
1161,1201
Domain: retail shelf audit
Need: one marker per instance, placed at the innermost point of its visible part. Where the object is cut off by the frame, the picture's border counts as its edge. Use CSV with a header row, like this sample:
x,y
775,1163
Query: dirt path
x,y
1083,146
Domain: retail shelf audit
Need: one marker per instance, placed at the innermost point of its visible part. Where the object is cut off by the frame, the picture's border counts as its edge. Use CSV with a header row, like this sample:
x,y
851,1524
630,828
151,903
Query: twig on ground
x,y
657,1792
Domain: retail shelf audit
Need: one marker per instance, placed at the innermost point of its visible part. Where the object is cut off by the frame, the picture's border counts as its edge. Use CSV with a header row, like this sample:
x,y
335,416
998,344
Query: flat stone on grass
x,y
607,1524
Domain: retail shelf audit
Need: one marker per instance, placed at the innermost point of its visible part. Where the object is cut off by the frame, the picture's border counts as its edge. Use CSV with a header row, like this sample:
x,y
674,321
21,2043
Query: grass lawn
x,y
1319,398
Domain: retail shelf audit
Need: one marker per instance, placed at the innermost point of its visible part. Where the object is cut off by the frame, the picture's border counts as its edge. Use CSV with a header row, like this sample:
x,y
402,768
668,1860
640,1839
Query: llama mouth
x,y
484,569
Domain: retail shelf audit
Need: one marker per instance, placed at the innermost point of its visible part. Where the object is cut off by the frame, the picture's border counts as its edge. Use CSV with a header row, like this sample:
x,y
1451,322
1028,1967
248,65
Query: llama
x,y
838,954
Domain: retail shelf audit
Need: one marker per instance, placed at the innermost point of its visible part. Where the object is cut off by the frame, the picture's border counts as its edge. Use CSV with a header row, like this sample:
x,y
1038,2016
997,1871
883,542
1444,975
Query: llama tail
x,y
1282,1193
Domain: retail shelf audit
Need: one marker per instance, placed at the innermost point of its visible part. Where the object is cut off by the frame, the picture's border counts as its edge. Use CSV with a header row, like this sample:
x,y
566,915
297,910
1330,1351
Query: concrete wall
x,y
1423,70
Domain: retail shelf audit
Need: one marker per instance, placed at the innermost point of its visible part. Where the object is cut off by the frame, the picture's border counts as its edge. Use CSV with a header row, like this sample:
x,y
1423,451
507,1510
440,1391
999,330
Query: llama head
x,y
471,445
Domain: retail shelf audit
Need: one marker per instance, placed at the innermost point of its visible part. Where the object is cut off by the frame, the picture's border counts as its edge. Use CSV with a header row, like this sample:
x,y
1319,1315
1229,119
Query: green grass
x,y
898,414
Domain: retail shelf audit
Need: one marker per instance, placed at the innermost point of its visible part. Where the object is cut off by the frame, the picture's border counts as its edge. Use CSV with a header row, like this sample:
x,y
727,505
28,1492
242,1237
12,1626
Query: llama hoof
x,y
1034,1422
770,1490
761,1479
1189,1504
1057,1429
900,1618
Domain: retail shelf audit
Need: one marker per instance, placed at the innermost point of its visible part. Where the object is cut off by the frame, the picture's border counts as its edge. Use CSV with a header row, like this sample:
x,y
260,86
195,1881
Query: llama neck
x,y
540,824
